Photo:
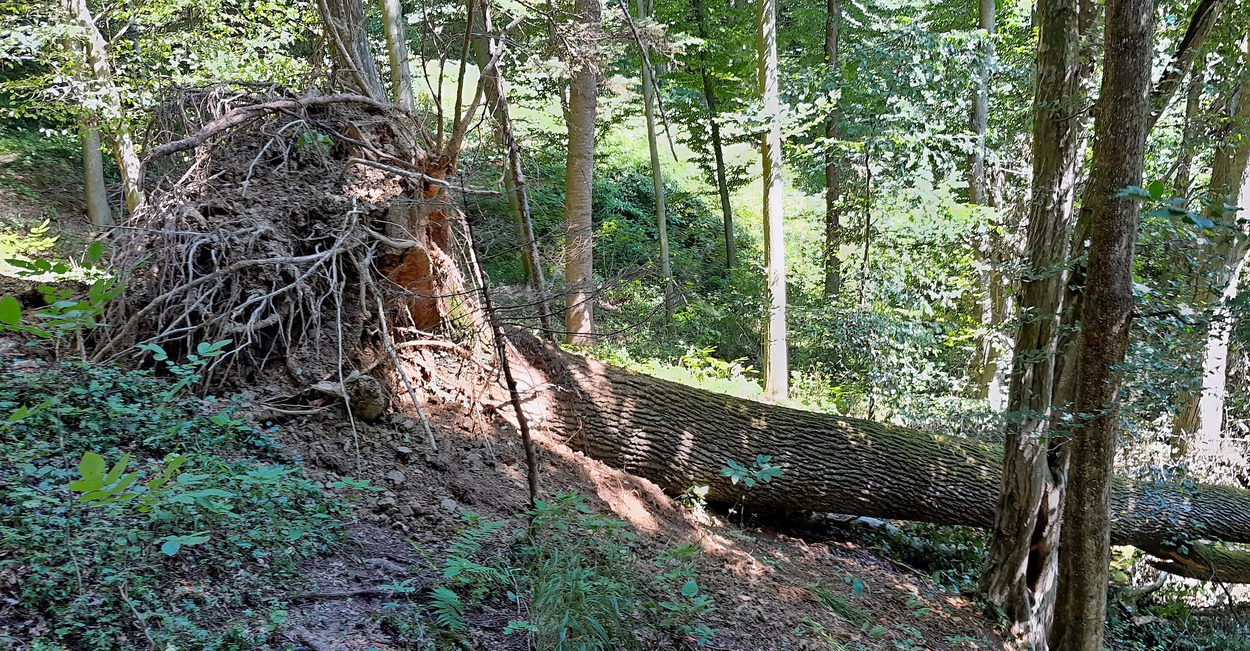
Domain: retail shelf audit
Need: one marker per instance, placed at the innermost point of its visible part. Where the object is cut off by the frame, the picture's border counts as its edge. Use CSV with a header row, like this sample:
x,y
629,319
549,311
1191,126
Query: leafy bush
x,y
95,553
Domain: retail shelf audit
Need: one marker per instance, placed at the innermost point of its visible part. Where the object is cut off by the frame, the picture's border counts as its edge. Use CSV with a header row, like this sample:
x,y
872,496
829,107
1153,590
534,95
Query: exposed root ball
x,y
277,226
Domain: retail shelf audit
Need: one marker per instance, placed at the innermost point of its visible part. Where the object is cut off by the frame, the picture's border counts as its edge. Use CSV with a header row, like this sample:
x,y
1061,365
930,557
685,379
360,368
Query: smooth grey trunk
x,y
94,190
833,206
579,179
1021,569
657,174
1119,154
980,117
397,50
343,23
992,308
718,150
112,113
495,88
776,359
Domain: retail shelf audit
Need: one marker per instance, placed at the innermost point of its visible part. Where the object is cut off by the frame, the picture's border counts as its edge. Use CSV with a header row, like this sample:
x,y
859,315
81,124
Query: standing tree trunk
x,y
93,174
1022,566
981,106
776,362
1121,128
112,113
495,89
992,309
833,209
718,150
1200,413
579,178
397,50
343,22
657,175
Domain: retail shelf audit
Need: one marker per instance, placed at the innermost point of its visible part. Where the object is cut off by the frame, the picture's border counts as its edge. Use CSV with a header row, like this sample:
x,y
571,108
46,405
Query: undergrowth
x,y
134,517
572,581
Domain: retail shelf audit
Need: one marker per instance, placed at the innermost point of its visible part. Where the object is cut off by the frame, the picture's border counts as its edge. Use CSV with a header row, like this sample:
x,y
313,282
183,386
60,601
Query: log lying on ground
x,y
679,436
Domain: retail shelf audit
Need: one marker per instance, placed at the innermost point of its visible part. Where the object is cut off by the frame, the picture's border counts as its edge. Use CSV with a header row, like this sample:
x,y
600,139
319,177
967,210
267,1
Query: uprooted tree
x,y
679,436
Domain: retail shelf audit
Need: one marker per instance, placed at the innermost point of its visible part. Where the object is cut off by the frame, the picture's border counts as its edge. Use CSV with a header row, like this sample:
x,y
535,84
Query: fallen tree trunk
x,y
679,436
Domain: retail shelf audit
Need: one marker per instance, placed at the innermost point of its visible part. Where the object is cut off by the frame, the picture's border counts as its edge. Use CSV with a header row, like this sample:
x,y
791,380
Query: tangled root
x,y
312,232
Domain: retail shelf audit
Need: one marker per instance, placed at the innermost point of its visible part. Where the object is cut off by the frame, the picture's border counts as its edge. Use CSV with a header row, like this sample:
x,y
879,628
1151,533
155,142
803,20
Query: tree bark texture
x,y
113,114
1199,416
1022,566
657,174
495,88
1120,131
776,357
833,206
678,436
579,179
343,22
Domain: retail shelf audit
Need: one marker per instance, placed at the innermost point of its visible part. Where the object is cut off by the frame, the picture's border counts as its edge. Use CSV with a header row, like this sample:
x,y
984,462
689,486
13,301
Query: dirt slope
x,y
767,585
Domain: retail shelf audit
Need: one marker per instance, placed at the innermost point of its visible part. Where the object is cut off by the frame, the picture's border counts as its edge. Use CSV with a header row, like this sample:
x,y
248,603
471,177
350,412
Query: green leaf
x,y
92,466
95,252
171,547
878,631
10,310
1157,189
690,589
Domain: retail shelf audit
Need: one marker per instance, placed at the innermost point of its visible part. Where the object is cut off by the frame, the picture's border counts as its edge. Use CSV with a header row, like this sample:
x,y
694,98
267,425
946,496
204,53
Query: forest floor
x,y
774,587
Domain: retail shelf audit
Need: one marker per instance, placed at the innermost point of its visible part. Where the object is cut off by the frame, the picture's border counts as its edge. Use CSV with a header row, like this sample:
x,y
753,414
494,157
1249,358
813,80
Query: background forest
x,y
871,209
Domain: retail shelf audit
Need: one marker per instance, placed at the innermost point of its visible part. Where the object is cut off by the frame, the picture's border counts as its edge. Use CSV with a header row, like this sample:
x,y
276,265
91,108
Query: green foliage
x,y
98,547
575,576
65,312
760,472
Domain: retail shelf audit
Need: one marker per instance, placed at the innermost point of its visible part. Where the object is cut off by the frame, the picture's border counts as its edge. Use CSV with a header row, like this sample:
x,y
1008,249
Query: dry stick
x,y
403,375
514,396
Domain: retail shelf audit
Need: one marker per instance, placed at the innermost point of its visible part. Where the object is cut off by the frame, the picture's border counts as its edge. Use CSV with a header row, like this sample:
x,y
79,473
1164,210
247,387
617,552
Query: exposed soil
x,y
761,578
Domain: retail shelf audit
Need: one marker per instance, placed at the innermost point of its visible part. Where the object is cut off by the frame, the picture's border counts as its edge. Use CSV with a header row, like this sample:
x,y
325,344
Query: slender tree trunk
x,y
495,88
981,106
1021,569
1189,136
776,361
112,113
397,50
992,309
1200,413
657,175
718,150
1120,131
833,207
579,181
343,22
93,174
